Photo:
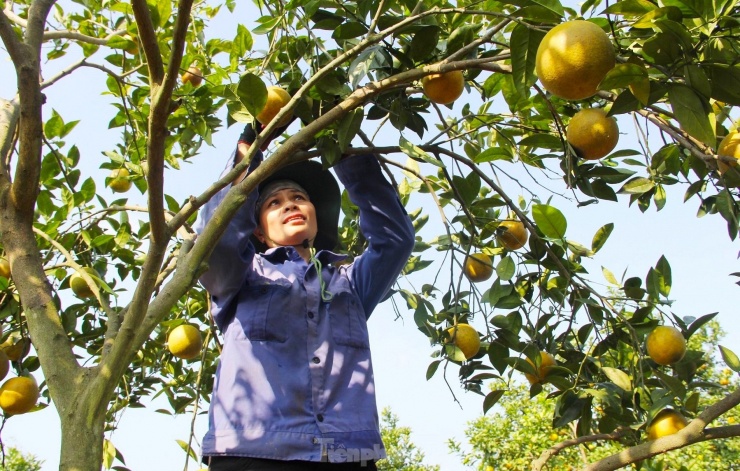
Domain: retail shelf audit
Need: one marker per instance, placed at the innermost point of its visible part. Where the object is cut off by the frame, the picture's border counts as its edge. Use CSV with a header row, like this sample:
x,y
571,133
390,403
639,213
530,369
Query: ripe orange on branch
x,y
18,395
729,146
4,267
193,76
665,345
119,181
512,234
573,58
667,422
443,88
466,338
547,361
592,133
478,267
185,341
277,98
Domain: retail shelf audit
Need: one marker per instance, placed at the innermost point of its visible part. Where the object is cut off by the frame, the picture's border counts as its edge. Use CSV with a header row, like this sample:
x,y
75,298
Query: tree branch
x,y
9,114
148,40
694,432
540,462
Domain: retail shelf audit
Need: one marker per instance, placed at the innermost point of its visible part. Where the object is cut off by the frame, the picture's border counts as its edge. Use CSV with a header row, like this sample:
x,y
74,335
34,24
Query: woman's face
x,y
286,217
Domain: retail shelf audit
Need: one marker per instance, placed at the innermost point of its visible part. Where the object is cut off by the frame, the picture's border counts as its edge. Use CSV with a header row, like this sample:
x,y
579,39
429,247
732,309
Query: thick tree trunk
x,y
82,442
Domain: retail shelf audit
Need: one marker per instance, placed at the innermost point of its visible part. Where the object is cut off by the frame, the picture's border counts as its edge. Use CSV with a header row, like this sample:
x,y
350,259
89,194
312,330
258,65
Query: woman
x,y
294,388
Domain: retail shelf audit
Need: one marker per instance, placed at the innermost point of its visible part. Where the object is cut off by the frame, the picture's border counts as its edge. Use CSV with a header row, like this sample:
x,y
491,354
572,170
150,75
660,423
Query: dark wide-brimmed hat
x,y
323,191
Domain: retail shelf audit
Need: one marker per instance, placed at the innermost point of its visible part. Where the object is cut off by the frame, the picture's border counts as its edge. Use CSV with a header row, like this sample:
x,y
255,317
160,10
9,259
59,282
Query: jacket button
x,y
320,418
316,360
310,314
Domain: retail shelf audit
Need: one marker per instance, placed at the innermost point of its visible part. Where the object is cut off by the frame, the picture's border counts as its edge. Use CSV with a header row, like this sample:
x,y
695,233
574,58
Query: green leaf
x,y
623,75
349,30
696,325
109,453
417,153
88,189
725,204
722,77
542,140
648,19
53,126
630,7
550,221
491,399
349,127
663,268
618,377
690,111
637,186
187,448
424,42
697,79
601,236
524,43
242,43
494,153
252,93
462,36
609,276
659,197
268,23
731,360
506,268
553,5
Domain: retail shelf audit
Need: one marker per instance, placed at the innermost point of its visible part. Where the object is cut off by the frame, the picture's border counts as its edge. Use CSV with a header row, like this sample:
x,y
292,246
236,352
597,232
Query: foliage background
x,y
699,252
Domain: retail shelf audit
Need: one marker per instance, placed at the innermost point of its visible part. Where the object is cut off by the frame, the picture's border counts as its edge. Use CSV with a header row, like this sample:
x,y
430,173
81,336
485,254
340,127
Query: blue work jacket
x,y
295,377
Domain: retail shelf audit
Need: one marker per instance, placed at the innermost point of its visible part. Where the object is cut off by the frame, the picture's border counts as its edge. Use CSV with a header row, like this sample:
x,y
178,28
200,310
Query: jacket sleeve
x,y
385,225
233,254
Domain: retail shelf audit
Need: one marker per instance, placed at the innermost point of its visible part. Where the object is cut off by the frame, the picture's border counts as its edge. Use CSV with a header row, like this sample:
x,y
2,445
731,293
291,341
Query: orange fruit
x,y
277,98
573,58
443,88
466,338
729,146
665,345
18,395
478,267
592,133
16,347
185,341
667,422
512,234
193,76
4,267
119,182
547,361
78,284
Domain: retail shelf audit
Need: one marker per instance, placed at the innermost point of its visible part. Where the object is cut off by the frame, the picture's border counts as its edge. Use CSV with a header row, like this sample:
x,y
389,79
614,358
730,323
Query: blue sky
x,y
701,255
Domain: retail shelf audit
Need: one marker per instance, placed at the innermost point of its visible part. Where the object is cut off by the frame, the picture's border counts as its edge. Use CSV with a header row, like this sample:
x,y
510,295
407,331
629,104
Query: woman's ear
x,y
259,234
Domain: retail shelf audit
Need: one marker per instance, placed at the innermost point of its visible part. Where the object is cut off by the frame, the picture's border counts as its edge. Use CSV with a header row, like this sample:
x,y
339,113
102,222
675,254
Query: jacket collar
x,y
277,255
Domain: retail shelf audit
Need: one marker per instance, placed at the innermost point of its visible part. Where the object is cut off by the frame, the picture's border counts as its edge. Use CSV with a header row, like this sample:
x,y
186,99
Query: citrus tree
x,y
521,430
96,284
402,452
